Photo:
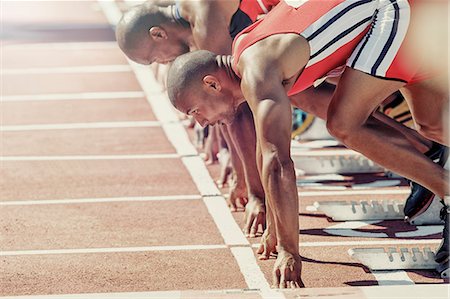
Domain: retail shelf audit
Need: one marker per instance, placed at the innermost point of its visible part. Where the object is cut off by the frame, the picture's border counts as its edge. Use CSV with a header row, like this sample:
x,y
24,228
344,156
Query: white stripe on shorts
x,y
263,7
382,35
339,21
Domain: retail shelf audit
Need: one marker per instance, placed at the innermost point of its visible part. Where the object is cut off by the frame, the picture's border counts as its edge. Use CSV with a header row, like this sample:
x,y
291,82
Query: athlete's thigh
x,y
358,94
427,101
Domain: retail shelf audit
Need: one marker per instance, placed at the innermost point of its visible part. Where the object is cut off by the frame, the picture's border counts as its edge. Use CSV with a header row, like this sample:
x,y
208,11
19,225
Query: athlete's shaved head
x,y
143,34
132,31
186,74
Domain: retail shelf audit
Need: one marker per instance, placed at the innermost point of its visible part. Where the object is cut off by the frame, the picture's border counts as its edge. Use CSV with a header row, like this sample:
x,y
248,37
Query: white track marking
x,y
366,243
98,200
177,135
92,125
388,278
88,157
434,291
110,250
69,70
325,153
404,191
124,295
75,96
321,186
418,291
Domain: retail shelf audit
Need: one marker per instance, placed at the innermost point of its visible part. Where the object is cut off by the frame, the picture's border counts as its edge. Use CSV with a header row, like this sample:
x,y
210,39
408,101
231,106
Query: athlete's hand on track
x,y
255,215
238,196
268,245
287,271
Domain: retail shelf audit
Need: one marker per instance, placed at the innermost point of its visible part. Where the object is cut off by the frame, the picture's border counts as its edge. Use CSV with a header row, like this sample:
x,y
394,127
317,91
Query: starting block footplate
x,y
394,259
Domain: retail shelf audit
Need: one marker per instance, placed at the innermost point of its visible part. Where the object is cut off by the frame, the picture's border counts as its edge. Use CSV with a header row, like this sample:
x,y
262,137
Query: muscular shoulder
x,y
288,55
198,8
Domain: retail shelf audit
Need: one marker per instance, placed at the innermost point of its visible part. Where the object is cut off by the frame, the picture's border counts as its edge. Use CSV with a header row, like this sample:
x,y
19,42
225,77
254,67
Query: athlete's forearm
x,y
279,182
243,135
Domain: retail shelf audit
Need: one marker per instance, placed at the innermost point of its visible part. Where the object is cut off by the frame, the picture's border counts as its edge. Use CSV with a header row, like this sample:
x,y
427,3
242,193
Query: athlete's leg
x,y
317,100
429,107
356,97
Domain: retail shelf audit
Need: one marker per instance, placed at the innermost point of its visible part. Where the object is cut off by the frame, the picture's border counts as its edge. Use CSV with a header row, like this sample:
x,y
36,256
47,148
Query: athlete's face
x,y
208,109
158,48
166,51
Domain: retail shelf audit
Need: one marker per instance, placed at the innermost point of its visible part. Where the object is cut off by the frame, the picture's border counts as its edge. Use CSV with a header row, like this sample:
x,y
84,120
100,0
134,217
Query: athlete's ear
x,y
211,82
157,33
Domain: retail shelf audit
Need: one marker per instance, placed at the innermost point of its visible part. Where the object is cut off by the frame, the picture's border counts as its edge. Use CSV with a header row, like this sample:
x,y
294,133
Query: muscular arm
x,y
272,112
263,77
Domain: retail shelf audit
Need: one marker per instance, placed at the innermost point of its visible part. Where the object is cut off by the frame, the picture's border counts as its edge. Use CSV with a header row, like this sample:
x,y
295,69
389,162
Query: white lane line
x,y
325,153
64,46
121,295
68,70
92,125
178,137
403,191
434,291
110,250
366,243
88,157
388,278
74,96
98,200
244,257
418,291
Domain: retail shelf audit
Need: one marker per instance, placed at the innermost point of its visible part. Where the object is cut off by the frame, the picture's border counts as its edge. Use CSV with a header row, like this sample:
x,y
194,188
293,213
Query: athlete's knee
x,y
433,131
339,125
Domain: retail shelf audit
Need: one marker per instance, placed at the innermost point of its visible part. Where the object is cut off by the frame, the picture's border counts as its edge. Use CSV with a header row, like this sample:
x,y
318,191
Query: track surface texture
x,y
103,195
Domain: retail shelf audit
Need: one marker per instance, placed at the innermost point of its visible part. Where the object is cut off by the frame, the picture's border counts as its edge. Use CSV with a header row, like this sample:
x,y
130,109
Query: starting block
x,y
376,210
362,210
392,259
333,161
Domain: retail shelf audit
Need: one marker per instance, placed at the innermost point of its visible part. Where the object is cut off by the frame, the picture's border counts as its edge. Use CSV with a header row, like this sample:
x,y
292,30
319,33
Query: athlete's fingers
x,y
300,283
232,205
284,276
260,249
243,201
276,279
255,226
248,224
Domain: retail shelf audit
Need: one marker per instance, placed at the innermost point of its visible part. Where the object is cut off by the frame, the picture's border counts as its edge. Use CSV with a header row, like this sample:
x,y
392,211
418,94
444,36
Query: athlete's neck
x,y
225,62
